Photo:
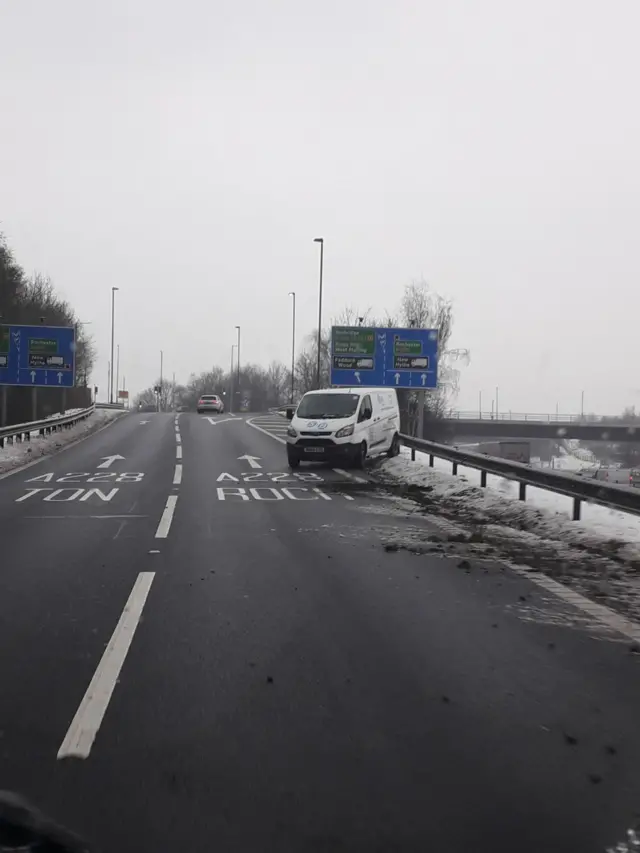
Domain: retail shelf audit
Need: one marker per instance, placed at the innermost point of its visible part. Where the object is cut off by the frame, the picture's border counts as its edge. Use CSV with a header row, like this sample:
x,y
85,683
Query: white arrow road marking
x,y
143,422
109,460
223,421
88,719
252,460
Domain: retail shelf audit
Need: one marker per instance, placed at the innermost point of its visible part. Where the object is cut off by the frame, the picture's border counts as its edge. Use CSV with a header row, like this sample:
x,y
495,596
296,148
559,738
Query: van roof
x,y
359,389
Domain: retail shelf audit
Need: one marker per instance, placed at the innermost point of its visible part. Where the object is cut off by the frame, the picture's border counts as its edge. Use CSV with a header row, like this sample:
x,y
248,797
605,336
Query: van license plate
x,y
313,449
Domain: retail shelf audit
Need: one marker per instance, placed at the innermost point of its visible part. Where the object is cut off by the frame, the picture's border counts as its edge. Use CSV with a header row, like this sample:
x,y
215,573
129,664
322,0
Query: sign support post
x,y
421,402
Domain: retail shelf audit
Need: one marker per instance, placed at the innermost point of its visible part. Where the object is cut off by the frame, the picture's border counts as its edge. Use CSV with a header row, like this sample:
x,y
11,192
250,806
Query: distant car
x,y
210,403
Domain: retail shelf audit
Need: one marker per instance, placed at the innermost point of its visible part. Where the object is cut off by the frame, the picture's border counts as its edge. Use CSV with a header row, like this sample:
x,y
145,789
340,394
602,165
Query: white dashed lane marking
x,y
88,719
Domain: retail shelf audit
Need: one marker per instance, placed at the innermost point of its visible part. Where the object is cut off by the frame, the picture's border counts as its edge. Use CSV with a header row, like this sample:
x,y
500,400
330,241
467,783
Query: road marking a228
x,y
274,477
97,477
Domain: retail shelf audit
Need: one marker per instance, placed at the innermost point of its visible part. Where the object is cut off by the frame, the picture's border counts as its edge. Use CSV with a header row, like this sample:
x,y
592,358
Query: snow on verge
x,y
17,454
599,556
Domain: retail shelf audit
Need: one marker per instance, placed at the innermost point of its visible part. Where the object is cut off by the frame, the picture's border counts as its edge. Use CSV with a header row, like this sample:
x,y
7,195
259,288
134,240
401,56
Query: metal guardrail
x,y
110,406
621,498
529,417
22,432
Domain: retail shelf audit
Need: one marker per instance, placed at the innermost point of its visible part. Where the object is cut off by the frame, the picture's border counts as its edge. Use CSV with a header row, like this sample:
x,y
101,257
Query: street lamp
x,y
160,394
233,346
238,359
293,342
321,241
113,318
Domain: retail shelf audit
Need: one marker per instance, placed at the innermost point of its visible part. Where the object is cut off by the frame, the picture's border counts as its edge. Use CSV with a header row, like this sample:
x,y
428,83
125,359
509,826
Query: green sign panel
x,y
348,341
44,346
401,347
4,339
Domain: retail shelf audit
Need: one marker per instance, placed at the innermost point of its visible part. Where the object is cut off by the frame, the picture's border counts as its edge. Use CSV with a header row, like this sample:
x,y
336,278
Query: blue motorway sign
x,y
400,358
38,355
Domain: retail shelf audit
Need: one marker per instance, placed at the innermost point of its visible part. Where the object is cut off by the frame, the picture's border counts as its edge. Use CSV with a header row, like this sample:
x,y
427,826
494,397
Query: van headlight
x,y
291,432
345,431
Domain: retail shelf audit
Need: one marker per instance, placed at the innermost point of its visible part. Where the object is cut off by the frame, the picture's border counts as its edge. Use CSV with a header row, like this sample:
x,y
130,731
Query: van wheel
x,y
294,461
360,455
394,450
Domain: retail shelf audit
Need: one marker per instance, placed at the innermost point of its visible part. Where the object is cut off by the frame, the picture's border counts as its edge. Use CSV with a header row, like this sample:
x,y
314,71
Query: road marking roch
x,y
268,493
177,477
178,453
178,437
167,517
90,714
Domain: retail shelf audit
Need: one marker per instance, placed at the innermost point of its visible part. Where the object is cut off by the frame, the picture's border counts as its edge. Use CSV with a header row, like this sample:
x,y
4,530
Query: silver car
x,y
210,403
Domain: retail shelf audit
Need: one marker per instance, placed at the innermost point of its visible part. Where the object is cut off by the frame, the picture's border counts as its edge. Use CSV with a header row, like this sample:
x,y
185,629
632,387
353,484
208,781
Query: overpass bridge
x,y
531,426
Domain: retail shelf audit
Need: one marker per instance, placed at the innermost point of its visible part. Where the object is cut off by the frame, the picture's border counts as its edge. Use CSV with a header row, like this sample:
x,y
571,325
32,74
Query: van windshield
x,y
328,405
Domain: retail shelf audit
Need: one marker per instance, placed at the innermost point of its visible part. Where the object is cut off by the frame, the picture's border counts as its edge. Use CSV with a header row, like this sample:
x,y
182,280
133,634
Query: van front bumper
x,y
320,450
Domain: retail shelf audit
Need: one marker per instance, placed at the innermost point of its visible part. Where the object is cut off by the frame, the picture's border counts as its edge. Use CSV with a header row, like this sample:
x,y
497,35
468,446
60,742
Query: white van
x,y
344,425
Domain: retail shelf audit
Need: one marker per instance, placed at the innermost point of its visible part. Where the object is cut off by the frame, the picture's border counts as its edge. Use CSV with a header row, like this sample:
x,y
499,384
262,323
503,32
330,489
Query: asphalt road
x,y
227,658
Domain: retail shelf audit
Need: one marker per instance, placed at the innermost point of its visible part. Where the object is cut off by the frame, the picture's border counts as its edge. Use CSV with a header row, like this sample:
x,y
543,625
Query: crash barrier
x,y
618,497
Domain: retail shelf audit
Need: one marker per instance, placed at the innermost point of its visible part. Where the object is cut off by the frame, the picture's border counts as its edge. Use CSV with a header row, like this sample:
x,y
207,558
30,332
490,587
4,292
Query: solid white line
x,y
177,477
178,452
270,434
214,422
88,719
599,612
178,438
167,517
349,476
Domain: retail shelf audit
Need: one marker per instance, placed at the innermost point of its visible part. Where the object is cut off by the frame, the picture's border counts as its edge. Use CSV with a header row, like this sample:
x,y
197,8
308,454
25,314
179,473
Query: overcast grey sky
x,y
189,152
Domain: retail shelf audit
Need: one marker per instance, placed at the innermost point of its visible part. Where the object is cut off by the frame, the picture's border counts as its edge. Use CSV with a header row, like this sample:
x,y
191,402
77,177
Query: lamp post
x,y
293,342
238,364
233,346
113,327
321,241
118,373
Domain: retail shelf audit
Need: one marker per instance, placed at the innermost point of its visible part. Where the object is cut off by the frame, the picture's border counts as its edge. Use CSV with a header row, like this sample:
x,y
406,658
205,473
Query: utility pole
x,y
113,327
319,343
293,345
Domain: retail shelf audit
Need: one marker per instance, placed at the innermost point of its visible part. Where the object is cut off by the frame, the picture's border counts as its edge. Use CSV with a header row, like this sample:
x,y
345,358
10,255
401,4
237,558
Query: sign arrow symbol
x,y
60,375
357,375
423,376
33,376
109,460
252,460
397,378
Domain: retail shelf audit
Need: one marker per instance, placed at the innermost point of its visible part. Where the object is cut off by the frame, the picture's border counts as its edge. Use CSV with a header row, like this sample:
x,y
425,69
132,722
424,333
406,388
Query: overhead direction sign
x,y
38,356
399,358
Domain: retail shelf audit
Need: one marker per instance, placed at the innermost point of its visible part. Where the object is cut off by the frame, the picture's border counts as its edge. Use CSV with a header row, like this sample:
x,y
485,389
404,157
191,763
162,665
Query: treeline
x,y
266,387
32,300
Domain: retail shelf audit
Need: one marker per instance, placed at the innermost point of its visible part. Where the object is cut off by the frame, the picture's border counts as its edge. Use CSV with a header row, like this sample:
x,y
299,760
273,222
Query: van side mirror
x,y
289,413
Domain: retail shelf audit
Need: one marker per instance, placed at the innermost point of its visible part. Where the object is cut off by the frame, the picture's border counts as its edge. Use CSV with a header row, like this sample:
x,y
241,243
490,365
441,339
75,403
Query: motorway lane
x,y
293,686
68,560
